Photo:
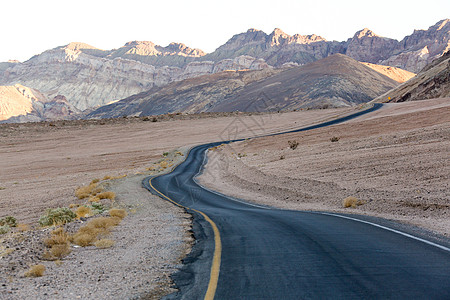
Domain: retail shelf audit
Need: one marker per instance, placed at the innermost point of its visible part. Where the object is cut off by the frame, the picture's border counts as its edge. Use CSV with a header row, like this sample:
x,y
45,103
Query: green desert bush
x,y
4,229
97,208
8,220
57,216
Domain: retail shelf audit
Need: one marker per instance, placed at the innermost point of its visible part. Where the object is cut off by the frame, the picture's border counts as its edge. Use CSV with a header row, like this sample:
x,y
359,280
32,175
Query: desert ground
x,y
394,161
42,164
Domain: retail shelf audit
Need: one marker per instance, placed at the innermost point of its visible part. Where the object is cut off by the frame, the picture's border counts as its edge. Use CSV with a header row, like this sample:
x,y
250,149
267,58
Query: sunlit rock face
x,y
19,103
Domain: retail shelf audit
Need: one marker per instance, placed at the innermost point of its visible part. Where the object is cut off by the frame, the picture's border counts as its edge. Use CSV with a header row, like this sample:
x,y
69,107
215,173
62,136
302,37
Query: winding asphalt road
x,y
246,251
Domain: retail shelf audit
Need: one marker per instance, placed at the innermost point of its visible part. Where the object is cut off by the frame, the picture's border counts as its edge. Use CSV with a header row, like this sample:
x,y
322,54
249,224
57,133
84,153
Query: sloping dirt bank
x,y
395,161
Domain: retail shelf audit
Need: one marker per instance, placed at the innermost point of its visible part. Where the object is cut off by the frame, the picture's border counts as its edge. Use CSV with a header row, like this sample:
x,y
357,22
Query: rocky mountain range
x,y
335,81
412,53
432,82
89,77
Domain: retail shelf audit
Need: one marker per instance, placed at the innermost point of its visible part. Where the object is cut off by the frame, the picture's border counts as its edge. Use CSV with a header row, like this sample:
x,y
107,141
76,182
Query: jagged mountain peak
x,y
75,46
139,43
279,32
366,32
147,48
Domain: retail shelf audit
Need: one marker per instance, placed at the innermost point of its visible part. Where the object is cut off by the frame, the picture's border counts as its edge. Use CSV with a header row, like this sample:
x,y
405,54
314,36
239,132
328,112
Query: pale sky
x,y
29,27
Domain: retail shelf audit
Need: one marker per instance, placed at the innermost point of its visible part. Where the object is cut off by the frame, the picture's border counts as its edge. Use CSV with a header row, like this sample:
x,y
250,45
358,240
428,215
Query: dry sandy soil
x,y
395,160
42,164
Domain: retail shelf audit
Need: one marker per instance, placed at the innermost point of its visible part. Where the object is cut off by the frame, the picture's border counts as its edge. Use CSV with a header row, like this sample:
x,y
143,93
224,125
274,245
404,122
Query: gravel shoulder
x,y
395,161
149,245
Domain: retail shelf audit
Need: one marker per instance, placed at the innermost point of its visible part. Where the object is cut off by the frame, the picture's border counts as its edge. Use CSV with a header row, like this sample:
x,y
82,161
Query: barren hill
x,y
334,81
432,82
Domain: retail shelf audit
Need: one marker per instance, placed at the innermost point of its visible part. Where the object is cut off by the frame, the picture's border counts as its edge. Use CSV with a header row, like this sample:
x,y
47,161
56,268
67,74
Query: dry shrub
x,y
96,180
104,222
23,227
94,199
107,195
57,239
120,213
58,262
107,177
35,271
60,250
85,191
104,243
84,239
352,202
164,164
73,205
83,212
95,228
59,244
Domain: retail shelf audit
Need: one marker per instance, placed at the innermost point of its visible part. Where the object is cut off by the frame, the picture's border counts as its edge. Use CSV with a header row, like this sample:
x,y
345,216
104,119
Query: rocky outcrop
x,y
366,46
432,82
331,82
22,104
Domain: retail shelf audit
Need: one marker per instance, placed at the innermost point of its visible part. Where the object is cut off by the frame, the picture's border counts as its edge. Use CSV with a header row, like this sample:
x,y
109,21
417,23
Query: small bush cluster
x,y
293,144
57,216
97,229
334,139
35,271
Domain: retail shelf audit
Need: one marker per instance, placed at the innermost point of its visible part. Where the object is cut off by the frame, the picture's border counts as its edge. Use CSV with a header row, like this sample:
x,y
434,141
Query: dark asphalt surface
x,y
279,254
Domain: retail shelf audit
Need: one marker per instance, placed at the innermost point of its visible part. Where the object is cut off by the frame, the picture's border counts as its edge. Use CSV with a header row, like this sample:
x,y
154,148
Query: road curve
x,y
246,251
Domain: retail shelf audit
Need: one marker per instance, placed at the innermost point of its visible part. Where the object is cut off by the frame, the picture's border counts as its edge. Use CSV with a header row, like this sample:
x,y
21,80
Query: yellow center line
x,y
215,267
